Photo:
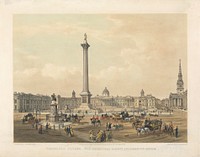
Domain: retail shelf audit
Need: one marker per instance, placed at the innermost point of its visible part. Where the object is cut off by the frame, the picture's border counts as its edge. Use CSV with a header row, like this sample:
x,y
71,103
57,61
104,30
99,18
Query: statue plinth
x,y
53,117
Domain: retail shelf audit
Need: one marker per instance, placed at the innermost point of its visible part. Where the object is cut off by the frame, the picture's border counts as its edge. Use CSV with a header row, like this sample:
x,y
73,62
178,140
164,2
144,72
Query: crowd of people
x,y
171,129
35,123
100,136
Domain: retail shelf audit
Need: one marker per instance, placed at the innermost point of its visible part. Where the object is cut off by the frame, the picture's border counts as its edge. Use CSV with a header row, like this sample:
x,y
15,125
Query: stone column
x,y
85,94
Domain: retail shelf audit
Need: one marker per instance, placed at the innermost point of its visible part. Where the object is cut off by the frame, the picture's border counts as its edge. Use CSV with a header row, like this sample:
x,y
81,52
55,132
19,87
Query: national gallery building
x,y
29,102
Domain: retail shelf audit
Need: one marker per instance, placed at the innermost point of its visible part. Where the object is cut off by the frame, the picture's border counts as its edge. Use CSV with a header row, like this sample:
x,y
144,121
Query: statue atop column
x,y
85,38
53,97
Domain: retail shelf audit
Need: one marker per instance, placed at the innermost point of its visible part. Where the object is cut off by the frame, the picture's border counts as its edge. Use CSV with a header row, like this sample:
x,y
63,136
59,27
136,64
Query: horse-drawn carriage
x,y
150,126
28,117
153,125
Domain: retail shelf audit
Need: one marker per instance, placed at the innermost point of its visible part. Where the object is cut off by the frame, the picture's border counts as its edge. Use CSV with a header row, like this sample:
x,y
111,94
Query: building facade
x,y
29,102
107,102
141,102
69,103
145,102
165,102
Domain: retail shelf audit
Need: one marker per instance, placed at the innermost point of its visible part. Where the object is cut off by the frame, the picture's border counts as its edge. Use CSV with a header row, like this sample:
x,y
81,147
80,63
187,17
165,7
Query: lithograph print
x,y
100,78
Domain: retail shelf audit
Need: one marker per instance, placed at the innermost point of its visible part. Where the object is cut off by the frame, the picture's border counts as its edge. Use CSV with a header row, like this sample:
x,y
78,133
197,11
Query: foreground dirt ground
x,y
25,132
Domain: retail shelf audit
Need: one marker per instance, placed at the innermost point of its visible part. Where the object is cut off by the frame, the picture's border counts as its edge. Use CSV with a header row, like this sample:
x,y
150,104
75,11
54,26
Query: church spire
x,y
180,83
180,71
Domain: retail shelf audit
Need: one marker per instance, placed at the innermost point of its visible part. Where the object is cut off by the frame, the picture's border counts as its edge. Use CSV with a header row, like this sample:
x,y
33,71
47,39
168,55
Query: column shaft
x,y
85,70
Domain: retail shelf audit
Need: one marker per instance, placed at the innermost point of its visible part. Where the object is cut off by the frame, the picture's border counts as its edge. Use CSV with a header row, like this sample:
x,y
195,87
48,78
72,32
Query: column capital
x,y
85,45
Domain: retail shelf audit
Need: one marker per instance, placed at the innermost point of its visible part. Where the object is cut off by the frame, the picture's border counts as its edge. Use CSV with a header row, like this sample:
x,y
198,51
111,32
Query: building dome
x,y
106,92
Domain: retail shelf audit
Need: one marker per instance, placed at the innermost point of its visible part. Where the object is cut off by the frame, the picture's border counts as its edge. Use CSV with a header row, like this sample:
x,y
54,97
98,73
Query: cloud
x,y
48,29
27,73
127,53
53,71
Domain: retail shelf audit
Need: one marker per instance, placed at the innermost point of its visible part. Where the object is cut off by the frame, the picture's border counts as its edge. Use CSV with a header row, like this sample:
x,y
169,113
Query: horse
x,y
93,121
137,124
128,119
96,122
118,126
142,130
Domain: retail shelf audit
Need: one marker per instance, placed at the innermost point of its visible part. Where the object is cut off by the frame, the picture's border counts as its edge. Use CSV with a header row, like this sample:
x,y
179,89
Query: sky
x,y
127,53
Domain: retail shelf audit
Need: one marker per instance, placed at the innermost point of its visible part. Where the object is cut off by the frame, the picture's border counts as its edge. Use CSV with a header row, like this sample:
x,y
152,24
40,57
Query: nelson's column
x,y
85,94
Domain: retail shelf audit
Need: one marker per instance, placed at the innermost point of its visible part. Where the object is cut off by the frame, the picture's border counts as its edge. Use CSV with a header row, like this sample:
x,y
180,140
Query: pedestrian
x,y
23,120
33,124
71,132
109,126
40,129
160,125
145,122
117,126
47,126
164,127
36,126
104,135
65,129
99,136
172,129
91,134
108,137
68,130
36,120
176,131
